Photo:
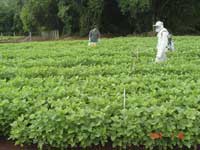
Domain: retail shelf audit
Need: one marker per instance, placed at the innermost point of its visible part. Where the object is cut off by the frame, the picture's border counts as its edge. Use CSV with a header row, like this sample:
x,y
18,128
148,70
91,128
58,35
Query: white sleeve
x,y
163,44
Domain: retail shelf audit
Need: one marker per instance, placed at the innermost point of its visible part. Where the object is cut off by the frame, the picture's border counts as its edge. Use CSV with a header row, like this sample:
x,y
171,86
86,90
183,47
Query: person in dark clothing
x,y
94,37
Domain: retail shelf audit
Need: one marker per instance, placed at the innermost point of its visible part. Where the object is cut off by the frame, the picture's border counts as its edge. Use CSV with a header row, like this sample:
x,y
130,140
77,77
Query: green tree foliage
x,y
134,6
69,13
80,15
91,15
6,15
113,16
138,12
182,17
38,15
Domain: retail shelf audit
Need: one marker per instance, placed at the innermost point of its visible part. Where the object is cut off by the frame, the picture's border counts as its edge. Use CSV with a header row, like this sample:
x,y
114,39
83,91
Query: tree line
x,y
120,17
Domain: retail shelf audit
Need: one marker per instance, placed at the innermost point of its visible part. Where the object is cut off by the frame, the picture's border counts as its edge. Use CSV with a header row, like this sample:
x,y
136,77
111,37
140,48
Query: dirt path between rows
x,y
8,145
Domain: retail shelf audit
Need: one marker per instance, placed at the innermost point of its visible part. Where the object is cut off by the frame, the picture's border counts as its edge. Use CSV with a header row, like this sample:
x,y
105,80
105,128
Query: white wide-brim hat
x,y
158,24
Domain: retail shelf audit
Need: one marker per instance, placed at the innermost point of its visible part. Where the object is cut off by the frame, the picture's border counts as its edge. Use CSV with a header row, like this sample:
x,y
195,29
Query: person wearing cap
x,y
162,45
94,37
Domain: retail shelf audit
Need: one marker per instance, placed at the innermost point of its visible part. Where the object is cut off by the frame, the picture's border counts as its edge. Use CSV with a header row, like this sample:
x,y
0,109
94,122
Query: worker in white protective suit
x,y
162,45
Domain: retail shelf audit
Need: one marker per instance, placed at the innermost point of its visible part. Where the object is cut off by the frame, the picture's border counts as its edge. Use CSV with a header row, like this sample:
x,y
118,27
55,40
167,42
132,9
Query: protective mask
x,y
158,29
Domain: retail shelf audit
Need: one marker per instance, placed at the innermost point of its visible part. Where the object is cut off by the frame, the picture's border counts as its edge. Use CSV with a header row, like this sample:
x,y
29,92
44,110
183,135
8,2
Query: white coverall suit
x,y
162,45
